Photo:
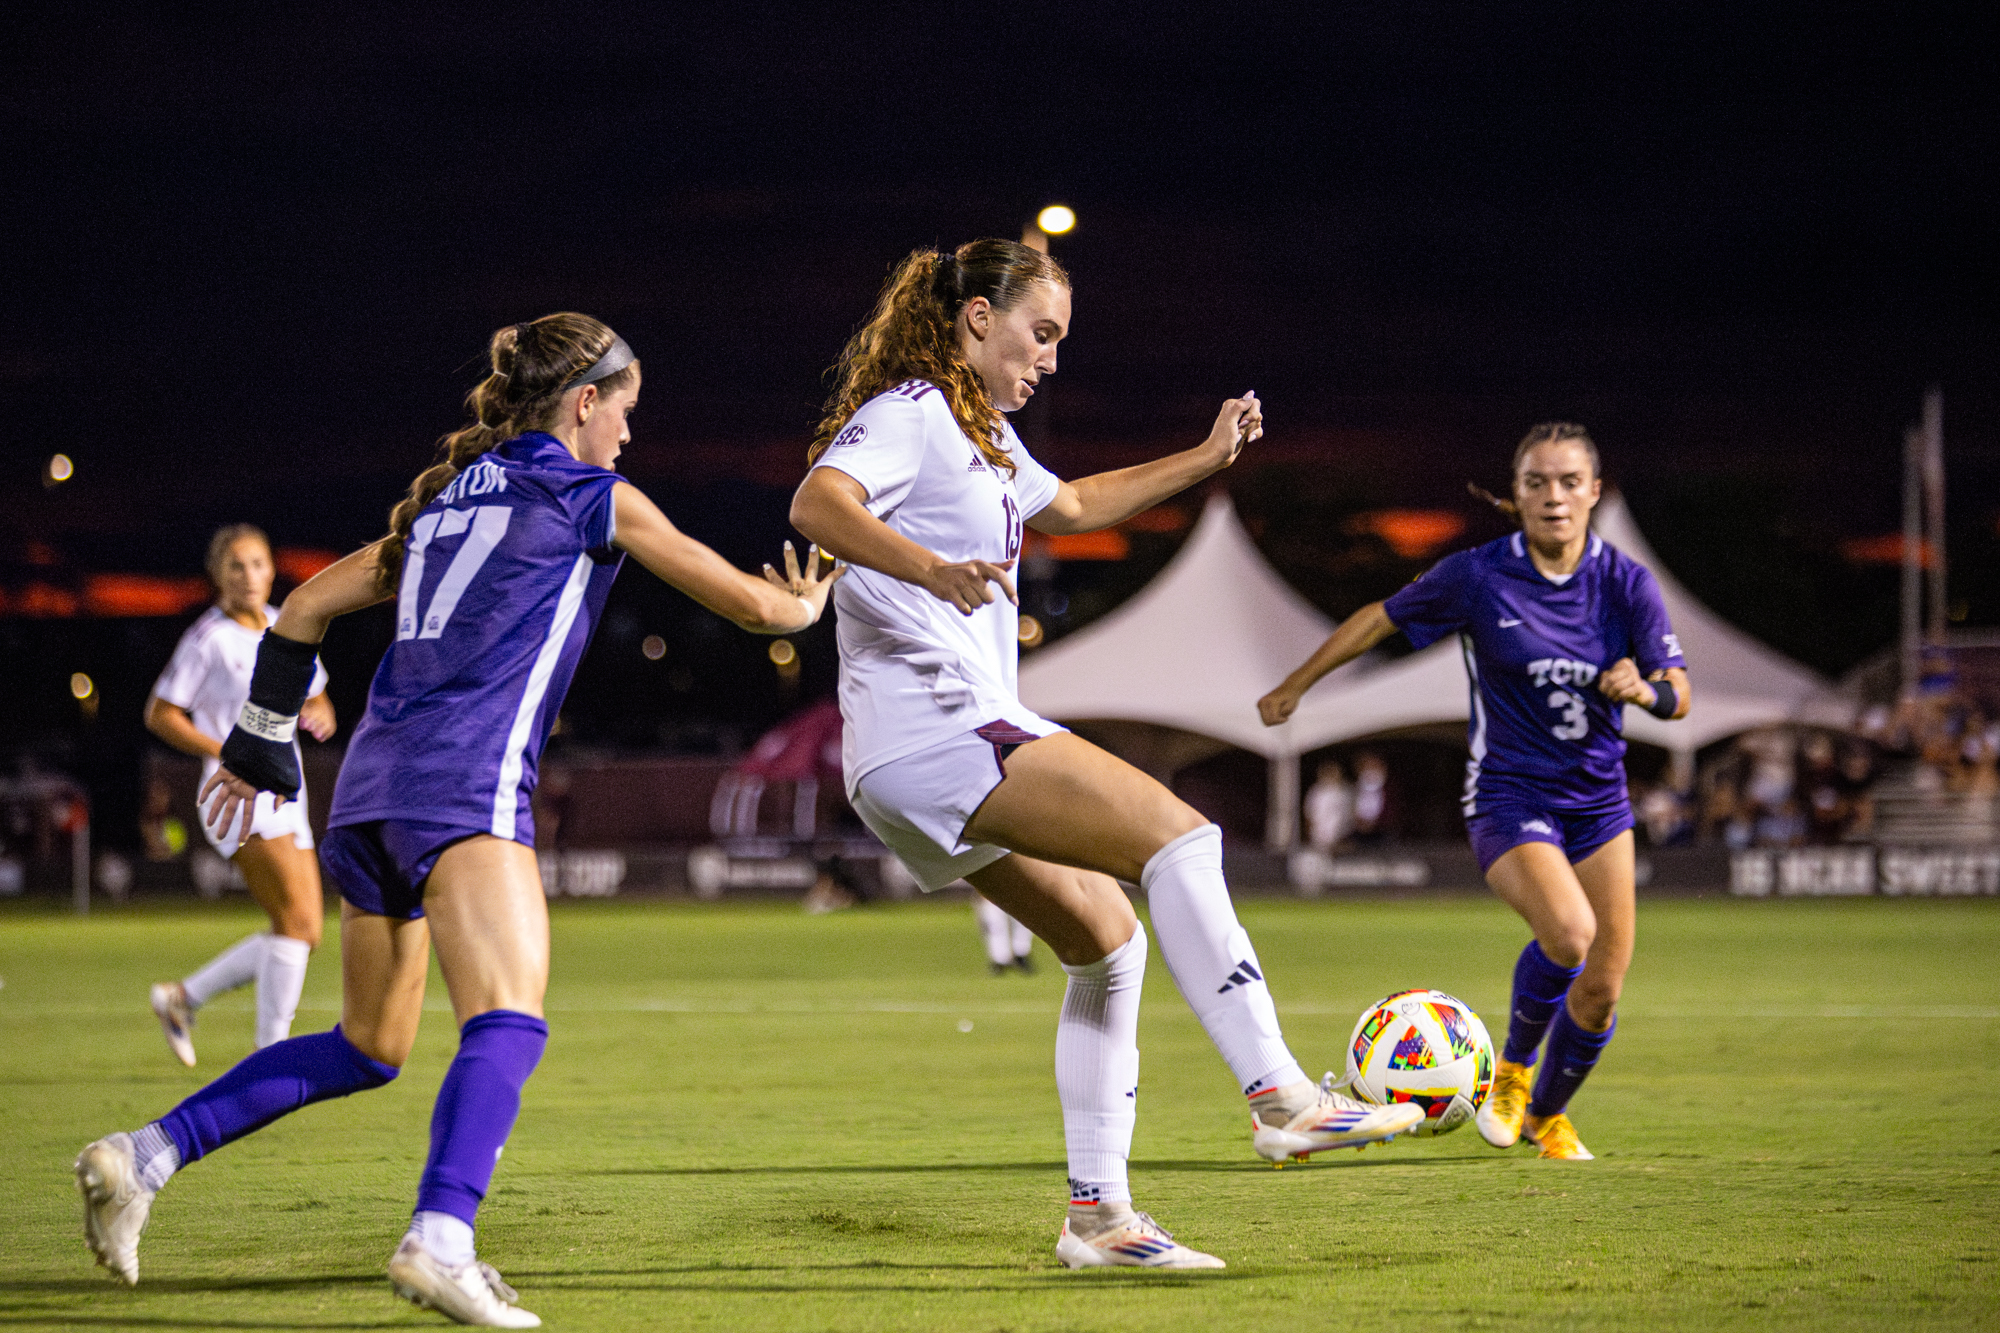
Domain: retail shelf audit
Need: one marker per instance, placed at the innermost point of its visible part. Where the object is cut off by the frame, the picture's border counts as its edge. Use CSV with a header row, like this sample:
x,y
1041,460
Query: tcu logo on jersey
x,y
1561,671
1673,642
854,434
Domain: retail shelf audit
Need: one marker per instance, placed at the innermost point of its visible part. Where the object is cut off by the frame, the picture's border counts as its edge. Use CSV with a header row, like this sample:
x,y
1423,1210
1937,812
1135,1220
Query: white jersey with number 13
x,y
913,670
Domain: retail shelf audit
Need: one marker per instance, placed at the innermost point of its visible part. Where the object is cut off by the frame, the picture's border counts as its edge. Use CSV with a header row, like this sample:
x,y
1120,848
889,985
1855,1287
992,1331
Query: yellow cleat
x,y
1556,1137
1499,1120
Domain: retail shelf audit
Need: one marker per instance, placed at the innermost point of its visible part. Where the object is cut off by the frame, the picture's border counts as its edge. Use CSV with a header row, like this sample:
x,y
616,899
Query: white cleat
x,y
468,1294
115,1205
1138,1243
1335,1120
176,1020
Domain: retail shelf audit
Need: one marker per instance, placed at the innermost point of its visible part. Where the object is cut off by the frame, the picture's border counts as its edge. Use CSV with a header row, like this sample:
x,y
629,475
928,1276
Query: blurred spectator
x,y
1826,799
1371,799
1330,808
1663,813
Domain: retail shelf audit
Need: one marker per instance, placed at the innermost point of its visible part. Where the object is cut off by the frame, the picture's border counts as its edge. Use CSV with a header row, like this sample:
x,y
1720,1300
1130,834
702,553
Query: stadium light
x,y
654,647
58,470
81,687
1056,219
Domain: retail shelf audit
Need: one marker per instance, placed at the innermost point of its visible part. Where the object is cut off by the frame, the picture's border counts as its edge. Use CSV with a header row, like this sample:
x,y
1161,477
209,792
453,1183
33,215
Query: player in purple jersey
x,y
498,560
922,485
1560,631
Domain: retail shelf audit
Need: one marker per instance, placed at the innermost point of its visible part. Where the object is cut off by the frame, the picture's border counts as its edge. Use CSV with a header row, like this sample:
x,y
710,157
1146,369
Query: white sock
x,y
233,967
1209,955
993,927
448,1239
1023,938
1097,1071
280,978
154,1155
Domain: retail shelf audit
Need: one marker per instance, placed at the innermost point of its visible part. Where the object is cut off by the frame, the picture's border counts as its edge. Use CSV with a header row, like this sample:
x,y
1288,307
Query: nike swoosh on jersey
x,y
1508,624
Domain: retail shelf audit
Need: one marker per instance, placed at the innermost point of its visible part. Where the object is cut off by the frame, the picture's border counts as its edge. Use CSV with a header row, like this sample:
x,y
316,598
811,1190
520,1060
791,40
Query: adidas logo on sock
x,y
1244,974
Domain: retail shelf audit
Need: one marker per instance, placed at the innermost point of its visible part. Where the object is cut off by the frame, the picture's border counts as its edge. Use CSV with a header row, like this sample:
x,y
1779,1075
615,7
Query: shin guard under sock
x,y
1539,987
476,1108
1209,955
274,1082
1572,1054
1097,1071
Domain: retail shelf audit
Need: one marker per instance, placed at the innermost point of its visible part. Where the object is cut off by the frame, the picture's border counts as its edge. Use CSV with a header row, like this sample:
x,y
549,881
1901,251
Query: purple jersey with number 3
x,y
1534,650
504,577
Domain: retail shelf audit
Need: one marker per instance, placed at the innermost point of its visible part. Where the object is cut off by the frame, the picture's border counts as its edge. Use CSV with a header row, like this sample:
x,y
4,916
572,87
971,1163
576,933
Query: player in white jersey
x,y
193,705
922,486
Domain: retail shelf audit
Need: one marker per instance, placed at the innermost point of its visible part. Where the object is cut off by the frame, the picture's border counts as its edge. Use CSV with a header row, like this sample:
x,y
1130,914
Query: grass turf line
x,y
749,1118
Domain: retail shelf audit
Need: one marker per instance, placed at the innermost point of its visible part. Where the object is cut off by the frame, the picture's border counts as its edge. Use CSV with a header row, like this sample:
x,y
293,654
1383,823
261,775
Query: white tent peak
x,y
1194,649
1219,627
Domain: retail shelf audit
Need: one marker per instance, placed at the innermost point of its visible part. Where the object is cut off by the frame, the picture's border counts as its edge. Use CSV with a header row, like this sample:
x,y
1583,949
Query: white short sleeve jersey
x,y
913,671
209,673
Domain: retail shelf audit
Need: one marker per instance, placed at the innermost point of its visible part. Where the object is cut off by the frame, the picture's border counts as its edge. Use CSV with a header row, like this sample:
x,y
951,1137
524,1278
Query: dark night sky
x,y
253,256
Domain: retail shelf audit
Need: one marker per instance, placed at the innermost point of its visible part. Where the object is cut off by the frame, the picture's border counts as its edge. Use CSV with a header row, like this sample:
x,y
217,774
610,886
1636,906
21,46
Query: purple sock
x,y
275,1081
1539,987
497,1050
1573,1052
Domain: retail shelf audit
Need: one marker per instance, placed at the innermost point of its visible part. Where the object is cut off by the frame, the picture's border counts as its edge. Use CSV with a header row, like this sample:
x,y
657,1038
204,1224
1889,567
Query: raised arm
x,y
1356,635
348,584
766,605
1090,503
832,509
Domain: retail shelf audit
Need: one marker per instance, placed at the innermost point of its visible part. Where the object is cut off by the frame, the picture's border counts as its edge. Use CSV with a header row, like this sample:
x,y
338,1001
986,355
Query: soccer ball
x,y
1425,1047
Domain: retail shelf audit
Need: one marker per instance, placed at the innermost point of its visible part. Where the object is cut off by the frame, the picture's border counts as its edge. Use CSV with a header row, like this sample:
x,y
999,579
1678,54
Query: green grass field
x,y
753,1119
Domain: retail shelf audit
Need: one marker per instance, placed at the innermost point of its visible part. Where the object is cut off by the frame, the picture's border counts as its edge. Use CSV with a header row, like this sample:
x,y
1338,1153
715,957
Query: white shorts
x,y
268,823
918,805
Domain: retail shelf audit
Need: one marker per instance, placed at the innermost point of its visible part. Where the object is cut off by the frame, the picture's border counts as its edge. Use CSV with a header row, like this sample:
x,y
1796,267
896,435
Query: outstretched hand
x,y
1240,421
232,794
1621,683
807,584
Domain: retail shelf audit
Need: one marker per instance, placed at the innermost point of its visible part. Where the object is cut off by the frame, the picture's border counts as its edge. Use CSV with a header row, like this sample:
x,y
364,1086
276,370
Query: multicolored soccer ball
x,y
1422,1046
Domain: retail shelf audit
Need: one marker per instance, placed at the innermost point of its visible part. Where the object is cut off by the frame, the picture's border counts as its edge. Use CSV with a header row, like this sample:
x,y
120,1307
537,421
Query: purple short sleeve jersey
x,y
504,577
1533,650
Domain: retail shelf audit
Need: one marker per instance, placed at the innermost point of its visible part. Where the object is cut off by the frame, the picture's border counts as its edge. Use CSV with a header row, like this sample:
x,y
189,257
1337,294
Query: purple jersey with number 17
x,y
1534,650
504,577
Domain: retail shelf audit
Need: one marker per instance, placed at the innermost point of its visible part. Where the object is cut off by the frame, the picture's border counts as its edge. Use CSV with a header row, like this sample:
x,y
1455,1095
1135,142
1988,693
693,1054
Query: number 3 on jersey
x,y
487,524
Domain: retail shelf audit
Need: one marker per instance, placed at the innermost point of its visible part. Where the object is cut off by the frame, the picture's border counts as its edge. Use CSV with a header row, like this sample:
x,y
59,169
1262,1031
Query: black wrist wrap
x,y
1665,700
259,748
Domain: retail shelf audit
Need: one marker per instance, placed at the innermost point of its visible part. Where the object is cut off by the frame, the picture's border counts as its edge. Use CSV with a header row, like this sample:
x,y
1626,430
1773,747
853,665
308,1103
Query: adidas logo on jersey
x,y
1245,973
977,464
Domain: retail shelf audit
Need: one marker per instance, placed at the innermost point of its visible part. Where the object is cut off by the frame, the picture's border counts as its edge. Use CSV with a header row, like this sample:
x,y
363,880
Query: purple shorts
x,y
381,866
1504,823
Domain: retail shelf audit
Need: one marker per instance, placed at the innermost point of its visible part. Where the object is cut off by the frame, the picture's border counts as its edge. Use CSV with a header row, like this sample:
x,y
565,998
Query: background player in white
x,y
192,707
1009,944
500,559
922,486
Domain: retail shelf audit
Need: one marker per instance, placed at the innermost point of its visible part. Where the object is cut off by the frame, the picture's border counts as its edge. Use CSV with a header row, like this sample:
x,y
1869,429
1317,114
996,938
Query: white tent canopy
x,y
1219,627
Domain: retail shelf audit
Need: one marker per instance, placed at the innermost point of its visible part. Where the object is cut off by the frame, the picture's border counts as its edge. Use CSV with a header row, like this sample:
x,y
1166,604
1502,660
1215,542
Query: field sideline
x,y
753,1119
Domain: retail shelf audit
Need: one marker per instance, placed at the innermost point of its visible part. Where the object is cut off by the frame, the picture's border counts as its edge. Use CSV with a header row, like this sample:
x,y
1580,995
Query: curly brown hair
x,y
531,363
912,334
